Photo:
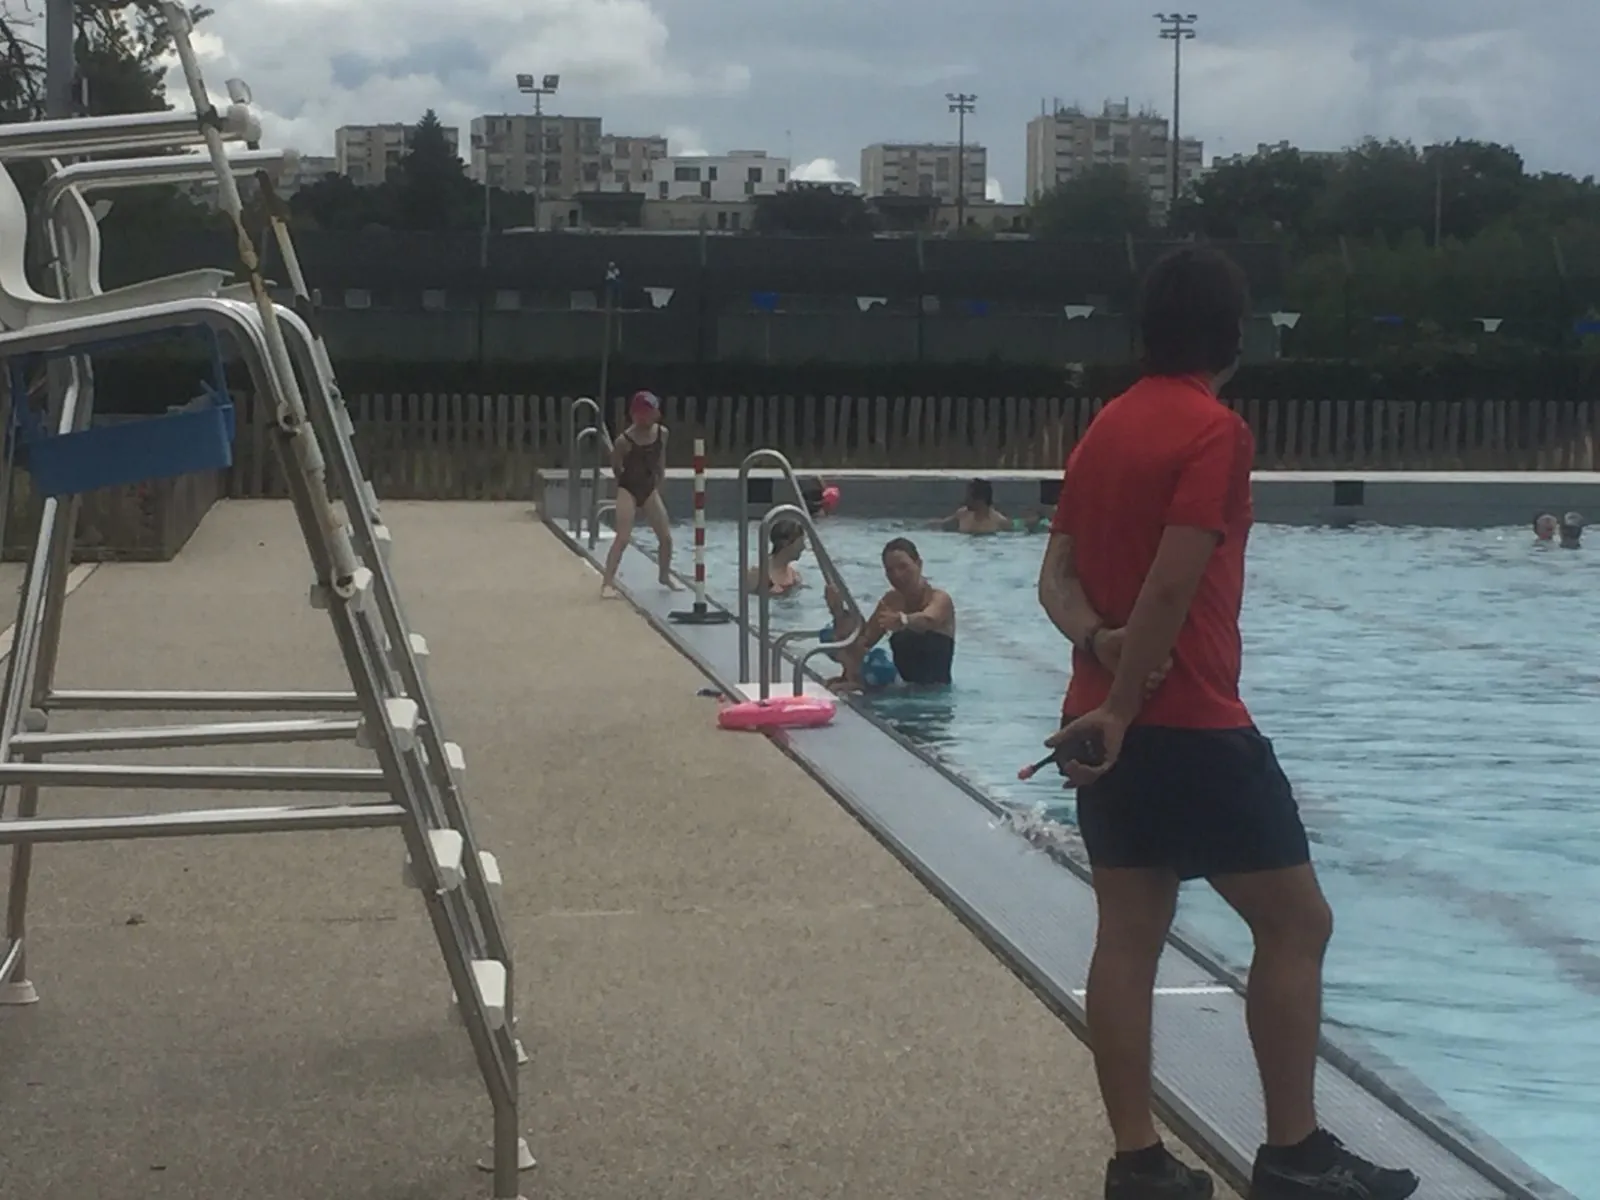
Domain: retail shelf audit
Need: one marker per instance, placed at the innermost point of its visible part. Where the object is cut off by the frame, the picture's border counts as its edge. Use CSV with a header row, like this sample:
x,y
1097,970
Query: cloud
x,y
821,170
842,74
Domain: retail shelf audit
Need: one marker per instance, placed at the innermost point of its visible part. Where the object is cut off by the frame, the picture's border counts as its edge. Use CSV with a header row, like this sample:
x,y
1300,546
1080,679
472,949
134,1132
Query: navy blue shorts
x,y
1197,802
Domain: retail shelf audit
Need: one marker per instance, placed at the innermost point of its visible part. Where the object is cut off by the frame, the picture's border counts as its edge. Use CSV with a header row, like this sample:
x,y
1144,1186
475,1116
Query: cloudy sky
x,y
819,79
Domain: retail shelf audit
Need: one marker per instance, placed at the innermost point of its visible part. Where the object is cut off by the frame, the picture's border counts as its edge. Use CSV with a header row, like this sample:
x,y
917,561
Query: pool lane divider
x,y
1039,920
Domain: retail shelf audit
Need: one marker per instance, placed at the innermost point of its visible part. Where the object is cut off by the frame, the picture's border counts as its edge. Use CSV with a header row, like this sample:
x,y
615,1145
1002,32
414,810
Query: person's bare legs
x,y
1136,909
655,511
1291,923
626,508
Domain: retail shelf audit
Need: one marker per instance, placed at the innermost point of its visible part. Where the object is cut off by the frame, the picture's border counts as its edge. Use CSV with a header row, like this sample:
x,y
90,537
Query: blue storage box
x,y
197,436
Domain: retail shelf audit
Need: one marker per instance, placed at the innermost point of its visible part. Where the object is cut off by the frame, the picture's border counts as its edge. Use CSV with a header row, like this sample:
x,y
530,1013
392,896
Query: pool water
x,y
1435,696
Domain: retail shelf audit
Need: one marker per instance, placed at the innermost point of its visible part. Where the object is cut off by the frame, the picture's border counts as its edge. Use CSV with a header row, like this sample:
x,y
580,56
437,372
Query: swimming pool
x,y
1431,693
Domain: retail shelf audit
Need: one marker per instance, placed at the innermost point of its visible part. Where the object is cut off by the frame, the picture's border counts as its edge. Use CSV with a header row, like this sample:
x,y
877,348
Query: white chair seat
x,y
191,285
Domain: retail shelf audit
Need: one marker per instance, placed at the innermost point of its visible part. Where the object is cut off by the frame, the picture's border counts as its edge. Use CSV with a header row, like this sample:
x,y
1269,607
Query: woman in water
x,y
918,618
788,544
639,462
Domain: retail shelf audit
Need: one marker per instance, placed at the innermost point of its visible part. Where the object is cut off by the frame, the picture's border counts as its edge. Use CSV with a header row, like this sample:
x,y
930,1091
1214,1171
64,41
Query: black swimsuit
x,y
923,655
641,468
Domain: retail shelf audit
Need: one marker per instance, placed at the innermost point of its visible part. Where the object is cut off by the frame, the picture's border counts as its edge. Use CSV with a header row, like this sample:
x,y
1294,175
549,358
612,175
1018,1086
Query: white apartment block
x,y
629,164
737,175
1066,141
925,169
554,156
369,154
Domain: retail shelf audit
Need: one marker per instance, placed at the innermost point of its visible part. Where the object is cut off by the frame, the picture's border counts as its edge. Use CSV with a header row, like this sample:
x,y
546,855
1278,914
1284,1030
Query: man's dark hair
x,y
981,490
1190,313
904,545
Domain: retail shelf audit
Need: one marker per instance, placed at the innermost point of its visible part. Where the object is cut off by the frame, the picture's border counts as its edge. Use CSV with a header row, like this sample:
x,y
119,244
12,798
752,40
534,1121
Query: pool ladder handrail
x,y
770,648
576,438
771,651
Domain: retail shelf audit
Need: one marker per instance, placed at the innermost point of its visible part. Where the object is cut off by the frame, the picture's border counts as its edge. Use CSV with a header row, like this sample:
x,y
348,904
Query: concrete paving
x,y
729,989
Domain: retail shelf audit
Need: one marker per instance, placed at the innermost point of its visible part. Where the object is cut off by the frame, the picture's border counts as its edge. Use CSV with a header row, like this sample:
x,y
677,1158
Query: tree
x,y
119,47
1105,201
813,208
1264,196
433,188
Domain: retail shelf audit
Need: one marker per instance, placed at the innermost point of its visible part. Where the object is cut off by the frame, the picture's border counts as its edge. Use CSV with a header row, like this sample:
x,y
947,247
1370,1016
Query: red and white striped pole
x,y
700,525
701,613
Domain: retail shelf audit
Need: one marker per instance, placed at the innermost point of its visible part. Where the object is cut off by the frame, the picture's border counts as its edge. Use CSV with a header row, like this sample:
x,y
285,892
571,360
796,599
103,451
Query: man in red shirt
x,y
1144,575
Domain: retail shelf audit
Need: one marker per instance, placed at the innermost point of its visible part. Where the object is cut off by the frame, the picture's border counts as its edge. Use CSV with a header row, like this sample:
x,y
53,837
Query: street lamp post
x,y
546,86
961,103
1176,28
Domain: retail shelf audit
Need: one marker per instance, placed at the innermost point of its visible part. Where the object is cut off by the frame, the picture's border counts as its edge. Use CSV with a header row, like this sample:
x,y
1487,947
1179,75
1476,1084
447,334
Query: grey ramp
x,y
1040,918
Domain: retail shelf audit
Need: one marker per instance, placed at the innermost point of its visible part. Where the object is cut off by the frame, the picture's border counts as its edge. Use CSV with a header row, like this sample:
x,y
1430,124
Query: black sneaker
x,y
1343,1175
1157,1176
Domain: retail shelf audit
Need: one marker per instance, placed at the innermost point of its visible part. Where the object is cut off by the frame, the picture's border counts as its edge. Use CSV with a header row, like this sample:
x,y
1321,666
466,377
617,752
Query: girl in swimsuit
x,y
788,544
918,618
639,462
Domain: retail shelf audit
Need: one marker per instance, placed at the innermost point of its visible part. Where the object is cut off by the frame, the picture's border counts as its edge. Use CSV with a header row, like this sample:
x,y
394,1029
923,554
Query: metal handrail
x,y
574,474
769,648
782,463
597,434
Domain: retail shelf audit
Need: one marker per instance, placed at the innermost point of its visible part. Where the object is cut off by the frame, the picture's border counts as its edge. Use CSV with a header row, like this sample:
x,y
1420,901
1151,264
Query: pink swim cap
x,y
644,401
830,498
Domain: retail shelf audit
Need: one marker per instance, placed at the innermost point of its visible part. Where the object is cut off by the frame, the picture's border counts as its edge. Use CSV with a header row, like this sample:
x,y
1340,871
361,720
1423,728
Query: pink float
x,y
779,712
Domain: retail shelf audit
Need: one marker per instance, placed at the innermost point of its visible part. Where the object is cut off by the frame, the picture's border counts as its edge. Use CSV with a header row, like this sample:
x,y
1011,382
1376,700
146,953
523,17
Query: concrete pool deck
x,y
728,988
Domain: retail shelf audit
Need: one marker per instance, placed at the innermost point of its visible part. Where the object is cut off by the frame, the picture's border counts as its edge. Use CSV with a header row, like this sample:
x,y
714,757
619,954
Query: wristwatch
x,y
905,620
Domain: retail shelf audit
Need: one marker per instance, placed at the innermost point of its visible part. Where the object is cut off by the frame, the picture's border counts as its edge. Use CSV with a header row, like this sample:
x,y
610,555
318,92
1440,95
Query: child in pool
x,y
788,544
639,462
877,668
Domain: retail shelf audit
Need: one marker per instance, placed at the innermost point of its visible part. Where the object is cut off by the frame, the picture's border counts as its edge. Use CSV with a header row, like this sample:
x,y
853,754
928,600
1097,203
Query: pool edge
x,y
1400,1094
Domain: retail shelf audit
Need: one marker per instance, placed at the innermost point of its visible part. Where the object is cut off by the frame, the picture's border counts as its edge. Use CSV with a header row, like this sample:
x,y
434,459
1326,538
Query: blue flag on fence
x,y
1587,325
1389,319
765,301
978,308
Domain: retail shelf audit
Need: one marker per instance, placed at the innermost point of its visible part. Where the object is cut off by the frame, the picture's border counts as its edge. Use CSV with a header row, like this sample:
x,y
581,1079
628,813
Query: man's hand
x,y
1102,725
1108,649
890,620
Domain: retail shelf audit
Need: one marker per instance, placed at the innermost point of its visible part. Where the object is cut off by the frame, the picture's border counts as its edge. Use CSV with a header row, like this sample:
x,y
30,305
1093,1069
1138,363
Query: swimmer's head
x,y
1572,531
980,494
821,498
1545,526
902,566
788,537
645,408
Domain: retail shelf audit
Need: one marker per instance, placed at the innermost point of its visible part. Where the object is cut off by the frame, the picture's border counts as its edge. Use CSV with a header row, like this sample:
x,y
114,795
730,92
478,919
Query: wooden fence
x,y
469,447
146,522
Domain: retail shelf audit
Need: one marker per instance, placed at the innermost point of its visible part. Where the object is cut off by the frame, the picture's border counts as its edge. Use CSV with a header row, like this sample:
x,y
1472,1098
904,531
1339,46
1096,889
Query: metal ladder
x,y
770,650
389,711
576,439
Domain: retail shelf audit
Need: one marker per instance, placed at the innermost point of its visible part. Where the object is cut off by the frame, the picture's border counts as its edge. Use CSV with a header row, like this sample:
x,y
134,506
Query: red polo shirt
x,y
1165,452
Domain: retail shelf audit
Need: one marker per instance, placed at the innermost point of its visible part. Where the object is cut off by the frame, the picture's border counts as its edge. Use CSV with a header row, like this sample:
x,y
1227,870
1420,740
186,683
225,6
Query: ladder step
x,y
403,716
347,426
490,976
491,868
370,495
384,539
447,847
419,651
456,759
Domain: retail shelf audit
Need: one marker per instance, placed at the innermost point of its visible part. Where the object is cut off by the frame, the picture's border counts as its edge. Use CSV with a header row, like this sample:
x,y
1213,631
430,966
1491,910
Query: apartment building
x,y
555,156
305,171
925,169
369,154
1064,141
629,164
1265,148
735,176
